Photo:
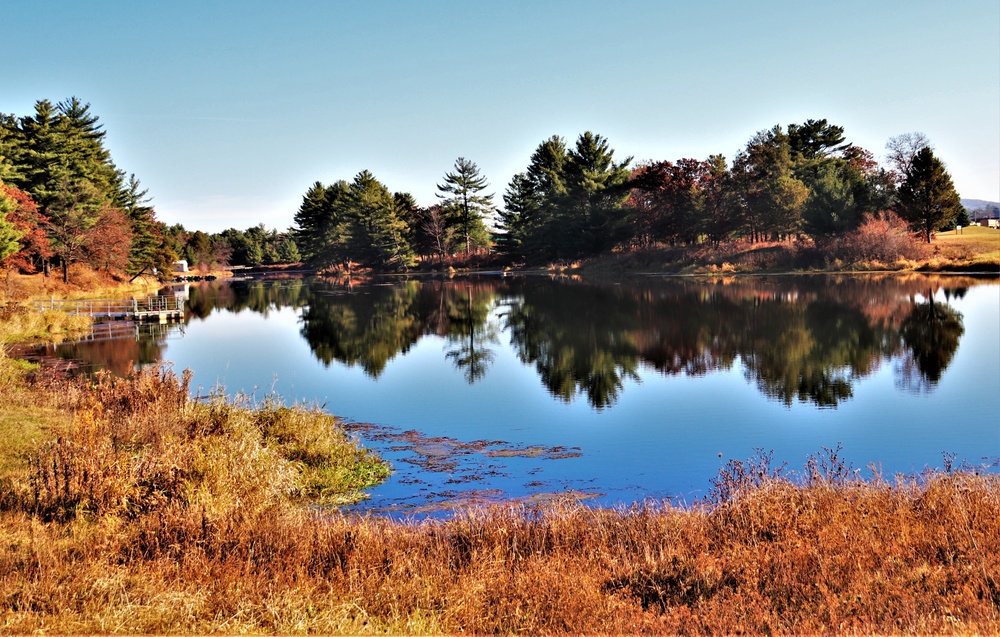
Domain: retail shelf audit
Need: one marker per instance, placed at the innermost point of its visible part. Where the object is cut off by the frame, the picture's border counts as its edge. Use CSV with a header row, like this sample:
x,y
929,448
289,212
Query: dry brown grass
x,y
975,247
877,246
156,514
913,557
84,282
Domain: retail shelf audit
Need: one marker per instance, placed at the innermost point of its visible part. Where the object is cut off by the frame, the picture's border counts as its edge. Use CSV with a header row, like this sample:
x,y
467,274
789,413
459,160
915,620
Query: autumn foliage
x,y
30,224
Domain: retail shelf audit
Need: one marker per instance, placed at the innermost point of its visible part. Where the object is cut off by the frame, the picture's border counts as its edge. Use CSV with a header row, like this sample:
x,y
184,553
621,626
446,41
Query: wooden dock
x,y
153,308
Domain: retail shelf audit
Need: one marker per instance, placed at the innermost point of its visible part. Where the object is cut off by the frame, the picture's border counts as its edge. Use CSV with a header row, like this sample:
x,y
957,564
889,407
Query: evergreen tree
x,y
963,218
718,210
815,139
770,196
464,205
82,150
568,203
58,156
927,197
836,201
310,220
322,225
39,151
242,250
288,252
377,237
408,212
148,249
520,208
842,179
73,210
10,149
531,220
592,217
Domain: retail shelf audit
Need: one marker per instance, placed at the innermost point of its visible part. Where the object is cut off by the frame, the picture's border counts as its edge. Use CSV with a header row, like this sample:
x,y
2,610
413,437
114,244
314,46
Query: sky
x,y
228,111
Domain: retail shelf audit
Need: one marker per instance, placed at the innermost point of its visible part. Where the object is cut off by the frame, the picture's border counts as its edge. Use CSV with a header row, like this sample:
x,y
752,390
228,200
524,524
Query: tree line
x,y
362,222
64,201
254,246
803,180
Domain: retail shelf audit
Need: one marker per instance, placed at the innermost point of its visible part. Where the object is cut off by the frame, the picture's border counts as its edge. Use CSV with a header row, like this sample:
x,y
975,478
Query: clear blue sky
x,y
227,112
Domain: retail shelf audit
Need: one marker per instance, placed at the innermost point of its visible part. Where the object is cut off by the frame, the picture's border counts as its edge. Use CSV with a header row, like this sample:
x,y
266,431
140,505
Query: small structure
x,y
180,266
989,223
154,308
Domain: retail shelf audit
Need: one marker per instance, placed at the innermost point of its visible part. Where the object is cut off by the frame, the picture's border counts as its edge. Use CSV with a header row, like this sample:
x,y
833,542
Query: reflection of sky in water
x,y
661,438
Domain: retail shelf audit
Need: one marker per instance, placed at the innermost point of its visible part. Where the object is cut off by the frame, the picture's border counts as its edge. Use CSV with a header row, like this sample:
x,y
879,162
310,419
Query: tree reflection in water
x,y
801,338
470,331
931,333
367,326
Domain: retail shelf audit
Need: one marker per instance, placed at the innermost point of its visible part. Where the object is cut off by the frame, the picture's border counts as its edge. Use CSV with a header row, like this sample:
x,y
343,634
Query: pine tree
x,y
520,209
533,201
592,217
10,149
73,210
378,233
58,156
147,250
322,225
927,197
463,203
771,196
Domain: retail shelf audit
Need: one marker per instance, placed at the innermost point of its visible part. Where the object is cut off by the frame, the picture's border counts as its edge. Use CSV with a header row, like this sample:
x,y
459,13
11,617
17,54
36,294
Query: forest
x,y
800,182
64,201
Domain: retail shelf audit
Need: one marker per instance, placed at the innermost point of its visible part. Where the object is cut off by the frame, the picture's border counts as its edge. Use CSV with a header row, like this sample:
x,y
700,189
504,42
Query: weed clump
x,y
138,444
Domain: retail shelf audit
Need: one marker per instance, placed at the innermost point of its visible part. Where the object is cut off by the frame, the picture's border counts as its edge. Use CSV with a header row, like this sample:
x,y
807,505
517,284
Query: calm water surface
x,y
492,387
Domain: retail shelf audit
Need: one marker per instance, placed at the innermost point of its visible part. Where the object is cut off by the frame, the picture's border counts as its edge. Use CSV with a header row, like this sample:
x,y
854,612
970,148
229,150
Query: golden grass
x,y
975,249
975,245
84,282
19,324
152,513
912,557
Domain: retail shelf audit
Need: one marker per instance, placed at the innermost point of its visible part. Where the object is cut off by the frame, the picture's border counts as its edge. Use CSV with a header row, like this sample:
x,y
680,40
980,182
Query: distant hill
x,y
979,204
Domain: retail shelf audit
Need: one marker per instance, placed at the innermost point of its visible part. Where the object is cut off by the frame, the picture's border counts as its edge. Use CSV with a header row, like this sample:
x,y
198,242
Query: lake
x,y
492,387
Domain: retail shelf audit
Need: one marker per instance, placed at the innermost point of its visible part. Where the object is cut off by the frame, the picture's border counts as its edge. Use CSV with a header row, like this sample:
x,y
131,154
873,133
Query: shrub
x,y
881,240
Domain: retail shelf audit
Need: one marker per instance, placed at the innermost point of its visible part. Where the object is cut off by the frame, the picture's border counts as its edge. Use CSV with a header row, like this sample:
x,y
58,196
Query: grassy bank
x,y
83,283
976,249
968,249
142,511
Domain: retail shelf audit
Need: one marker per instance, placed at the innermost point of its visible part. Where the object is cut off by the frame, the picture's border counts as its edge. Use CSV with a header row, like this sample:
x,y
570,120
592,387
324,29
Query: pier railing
x,y
116,308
